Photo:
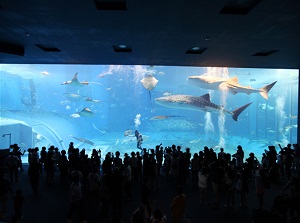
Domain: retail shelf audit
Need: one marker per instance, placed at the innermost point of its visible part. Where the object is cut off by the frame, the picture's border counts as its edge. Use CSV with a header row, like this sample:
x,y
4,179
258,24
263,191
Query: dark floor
x,y
52,203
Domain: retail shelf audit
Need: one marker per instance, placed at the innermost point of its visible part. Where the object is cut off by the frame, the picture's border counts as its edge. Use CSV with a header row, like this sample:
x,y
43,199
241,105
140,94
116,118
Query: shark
x,y
162,117
75,82
83,140
228,84
206,82
200,103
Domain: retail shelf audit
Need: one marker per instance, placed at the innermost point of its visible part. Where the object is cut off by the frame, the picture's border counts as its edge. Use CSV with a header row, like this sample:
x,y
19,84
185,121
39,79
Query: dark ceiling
x,y
231,33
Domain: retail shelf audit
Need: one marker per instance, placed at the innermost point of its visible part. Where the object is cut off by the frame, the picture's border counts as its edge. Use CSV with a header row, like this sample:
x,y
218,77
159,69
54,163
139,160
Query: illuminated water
x,y
33,95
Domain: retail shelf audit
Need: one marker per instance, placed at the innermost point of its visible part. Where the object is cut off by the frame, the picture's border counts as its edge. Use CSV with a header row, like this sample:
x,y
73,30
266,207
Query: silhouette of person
x,y
18,204
178,206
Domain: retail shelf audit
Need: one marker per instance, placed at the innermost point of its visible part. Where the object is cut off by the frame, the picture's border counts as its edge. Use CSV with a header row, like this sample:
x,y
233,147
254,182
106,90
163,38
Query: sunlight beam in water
x,y
220,73
222,130
280,103
209,126
137,120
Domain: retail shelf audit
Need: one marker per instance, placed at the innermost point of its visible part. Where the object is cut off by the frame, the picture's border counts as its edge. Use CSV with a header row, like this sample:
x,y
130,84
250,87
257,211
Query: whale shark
x,y
200,103
75,82
228,84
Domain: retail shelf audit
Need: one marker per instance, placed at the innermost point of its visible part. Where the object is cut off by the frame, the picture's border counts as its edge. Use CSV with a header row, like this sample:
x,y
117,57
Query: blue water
x,y
33,94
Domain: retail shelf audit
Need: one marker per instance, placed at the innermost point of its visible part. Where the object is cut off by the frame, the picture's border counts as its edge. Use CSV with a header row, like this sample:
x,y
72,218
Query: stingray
x,y
75,82
149,82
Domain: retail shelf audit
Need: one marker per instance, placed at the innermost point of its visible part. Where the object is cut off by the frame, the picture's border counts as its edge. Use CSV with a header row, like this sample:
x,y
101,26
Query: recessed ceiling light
x,y
48,48
196,50
239,7
122,48
111,4
265,53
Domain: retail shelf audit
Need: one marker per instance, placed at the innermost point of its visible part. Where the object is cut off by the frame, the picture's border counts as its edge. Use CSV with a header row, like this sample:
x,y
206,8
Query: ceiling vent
x,y
196,50
122,48
111,5
265,53
11,48
48,48
239,7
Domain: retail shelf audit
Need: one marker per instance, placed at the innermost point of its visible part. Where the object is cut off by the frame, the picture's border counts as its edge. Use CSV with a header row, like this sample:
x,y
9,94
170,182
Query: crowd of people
x,y
107,181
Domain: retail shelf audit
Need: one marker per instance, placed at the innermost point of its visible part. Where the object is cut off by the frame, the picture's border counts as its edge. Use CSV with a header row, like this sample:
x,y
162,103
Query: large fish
x,y
86,112
149,82
75,82
211,83
228,84
162,117
201,103
73,96
83,140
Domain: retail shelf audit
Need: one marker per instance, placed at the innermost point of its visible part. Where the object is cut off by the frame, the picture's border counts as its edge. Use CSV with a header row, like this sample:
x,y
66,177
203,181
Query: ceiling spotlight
x,y
122,48
196,48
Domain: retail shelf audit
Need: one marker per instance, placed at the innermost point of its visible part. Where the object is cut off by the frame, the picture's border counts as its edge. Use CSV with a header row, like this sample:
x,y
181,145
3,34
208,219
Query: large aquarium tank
x,y
101,106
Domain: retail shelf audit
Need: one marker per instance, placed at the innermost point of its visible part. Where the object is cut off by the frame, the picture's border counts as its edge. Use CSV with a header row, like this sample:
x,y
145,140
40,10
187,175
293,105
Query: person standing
x,y
17,152
5,190
18,204
127,179
34,172
12,162
76,200
178,206
195,170
203,177
261,182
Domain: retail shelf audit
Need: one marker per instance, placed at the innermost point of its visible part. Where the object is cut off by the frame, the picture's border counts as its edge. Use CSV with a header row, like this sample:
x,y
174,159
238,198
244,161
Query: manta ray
x,y
91,100
86,112
201,103
228,84
75,82
149,82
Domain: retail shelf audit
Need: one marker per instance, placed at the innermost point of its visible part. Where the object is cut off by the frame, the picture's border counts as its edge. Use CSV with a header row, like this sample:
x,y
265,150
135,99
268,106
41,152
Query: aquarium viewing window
x,y
101,106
